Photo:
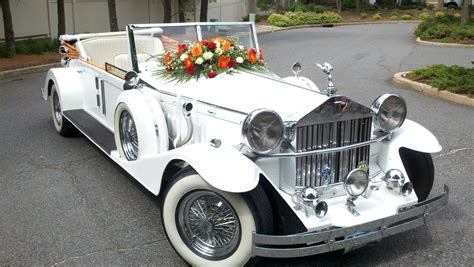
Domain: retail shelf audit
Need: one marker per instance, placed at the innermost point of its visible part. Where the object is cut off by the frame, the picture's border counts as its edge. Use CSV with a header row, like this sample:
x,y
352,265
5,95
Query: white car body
x,y
220,106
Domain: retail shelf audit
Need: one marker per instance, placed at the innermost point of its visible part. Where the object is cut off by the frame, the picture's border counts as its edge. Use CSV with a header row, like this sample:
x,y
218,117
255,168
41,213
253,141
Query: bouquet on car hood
x,y
209,58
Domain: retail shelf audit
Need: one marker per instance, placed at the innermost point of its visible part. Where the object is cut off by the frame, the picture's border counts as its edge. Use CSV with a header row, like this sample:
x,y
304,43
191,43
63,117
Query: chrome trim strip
x,y
312,243
322,151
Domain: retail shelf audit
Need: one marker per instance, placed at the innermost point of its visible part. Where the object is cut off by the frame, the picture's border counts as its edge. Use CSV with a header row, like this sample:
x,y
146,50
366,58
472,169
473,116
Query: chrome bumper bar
x,y
312,243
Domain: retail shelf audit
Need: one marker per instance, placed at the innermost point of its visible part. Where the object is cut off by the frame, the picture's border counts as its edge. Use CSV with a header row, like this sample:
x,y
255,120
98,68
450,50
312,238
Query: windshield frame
x,y
197,25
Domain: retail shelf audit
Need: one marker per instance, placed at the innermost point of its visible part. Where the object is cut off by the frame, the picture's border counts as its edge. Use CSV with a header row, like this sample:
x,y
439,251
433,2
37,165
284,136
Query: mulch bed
x,y
23,61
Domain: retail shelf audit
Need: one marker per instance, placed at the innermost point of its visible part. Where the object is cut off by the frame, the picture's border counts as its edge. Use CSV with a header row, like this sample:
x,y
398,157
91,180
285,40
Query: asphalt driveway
x,y
62,202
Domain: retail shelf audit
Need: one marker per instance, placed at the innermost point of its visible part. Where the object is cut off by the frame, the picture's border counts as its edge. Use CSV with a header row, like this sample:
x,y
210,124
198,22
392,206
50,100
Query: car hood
x,y
244,92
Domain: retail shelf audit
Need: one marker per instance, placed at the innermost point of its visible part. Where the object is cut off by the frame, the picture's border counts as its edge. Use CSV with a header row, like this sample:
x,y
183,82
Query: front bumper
x,y
312,243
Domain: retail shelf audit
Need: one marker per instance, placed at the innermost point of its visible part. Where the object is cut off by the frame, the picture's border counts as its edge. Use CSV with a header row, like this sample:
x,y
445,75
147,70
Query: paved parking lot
x,y
63,202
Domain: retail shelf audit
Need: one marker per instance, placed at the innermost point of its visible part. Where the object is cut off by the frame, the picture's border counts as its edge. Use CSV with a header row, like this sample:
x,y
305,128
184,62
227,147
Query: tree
x,y
357,6
167,11
441,4
181,11
61,18
113,15
204,7
339,6
8,27
465,12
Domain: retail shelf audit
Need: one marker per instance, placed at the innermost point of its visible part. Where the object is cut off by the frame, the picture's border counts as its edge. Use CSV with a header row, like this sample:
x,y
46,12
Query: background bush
x,y
31,46
406,17
300,18
377,16
394,17
300,7
452,78
424,16
446,28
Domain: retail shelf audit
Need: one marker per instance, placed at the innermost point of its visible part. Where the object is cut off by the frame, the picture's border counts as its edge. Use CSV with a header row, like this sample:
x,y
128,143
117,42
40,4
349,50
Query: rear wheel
x,y
62,126
207,226
420,170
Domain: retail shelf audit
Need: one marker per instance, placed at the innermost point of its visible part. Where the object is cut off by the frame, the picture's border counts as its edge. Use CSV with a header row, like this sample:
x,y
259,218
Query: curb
x,y
8,74
432,91
277,29
419,41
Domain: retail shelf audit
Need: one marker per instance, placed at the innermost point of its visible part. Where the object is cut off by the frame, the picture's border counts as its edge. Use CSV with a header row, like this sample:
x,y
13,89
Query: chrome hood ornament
x,y
327,69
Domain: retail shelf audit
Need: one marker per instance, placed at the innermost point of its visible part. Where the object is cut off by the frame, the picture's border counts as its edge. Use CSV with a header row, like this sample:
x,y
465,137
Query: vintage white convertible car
x,y
246,163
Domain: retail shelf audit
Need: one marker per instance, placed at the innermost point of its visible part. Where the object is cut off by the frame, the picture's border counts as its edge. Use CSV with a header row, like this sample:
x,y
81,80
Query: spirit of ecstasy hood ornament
x,y
327,68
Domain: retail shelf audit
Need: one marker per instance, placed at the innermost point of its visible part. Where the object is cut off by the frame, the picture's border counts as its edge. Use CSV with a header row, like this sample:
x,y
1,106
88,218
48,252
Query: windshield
x,y
149,41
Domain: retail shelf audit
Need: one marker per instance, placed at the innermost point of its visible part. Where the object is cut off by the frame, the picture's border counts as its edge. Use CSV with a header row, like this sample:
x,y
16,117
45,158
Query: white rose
x,y
183,57
199,61
218,51
208,55
239,60
217,44
241,47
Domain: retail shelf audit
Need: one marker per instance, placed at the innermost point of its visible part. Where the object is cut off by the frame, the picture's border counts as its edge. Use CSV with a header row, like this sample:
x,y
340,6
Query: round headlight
x,y
262,130
356,182
390,112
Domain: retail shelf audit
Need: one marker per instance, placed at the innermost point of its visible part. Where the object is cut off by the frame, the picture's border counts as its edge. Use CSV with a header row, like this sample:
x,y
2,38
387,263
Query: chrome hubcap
x,y
208,224
128,135
58,117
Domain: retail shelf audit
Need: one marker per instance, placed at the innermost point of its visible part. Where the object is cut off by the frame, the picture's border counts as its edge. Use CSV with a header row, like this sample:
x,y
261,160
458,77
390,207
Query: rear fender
x,y
68,85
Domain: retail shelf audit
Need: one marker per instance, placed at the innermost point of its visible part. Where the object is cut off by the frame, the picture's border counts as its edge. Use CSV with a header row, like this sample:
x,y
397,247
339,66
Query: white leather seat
x,y
114,50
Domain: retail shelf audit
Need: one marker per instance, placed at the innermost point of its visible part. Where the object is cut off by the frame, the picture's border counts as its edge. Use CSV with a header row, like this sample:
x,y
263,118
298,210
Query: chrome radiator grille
x,y
329,168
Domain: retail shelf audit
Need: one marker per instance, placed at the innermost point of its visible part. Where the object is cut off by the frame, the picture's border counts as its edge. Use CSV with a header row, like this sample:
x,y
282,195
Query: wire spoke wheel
x,y
208,224
128,135
58,117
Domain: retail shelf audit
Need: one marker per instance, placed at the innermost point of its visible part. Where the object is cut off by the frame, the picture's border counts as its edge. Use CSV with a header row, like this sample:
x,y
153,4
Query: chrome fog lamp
x,y
395,180
356,182
390,112
262,130
321,209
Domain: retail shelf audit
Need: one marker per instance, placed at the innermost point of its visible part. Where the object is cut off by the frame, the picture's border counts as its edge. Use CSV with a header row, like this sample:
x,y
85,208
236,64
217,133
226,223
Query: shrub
x,y
363,15
452,78
300,18
346,4
430,6
457,15
265,5
31,46
406,17
300,7
372,7
424,16
258,18
440,15
394,17
446,29
394,13
3,50
409,12
377,16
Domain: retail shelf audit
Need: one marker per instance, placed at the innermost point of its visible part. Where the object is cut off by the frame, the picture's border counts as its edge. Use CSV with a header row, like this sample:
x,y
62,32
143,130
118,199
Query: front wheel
x,y
207,226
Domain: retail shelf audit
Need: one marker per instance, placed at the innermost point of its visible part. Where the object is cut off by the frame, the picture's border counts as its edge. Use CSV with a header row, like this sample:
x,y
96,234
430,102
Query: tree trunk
x,y
204,7
181,11
167,11
357,7
441,4
8,27
61,18
113,15
465,12
339,6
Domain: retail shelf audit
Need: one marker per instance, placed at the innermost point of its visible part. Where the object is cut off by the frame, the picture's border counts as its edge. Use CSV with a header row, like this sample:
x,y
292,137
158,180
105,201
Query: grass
x,y
454,78
30,47
446,28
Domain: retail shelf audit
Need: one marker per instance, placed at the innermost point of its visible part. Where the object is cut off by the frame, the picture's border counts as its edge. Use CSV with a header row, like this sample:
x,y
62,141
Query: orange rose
x,y
260,51
252,55
217,39
188,62
197,50
226,46
223,62
168,58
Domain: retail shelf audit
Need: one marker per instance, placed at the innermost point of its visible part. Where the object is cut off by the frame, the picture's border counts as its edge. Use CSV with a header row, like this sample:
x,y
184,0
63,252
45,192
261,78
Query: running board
x,y
92,129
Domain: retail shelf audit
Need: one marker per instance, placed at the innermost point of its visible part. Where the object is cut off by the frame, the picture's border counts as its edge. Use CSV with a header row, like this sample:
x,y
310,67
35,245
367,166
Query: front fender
x,y
224,168
412,136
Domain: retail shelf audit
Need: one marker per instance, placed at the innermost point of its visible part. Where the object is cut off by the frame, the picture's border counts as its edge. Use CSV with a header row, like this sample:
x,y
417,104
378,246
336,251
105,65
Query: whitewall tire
x,y
62,126
193,218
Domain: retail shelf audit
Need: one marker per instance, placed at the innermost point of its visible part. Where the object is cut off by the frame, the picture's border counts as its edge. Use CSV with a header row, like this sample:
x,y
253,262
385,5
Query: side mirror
x,y
63,50
131,80
296,68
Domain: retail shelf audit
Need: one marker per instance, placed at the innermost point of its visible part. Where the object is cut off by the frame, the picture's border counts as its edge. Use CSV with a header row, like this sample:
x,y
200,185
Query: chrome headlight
x,y
356,182
390,112
262,130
